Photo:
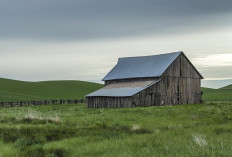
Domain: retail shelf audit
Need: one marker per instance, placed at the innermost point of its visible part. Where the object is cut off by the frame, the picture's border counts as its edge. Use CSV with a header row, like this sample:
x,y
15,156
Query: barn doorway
x,y
157,97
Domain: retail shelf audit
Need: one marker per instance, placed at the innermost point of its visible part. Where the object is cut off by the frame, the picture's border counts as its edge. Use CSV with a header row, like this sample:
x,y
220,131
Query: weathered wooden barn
x,y
165,79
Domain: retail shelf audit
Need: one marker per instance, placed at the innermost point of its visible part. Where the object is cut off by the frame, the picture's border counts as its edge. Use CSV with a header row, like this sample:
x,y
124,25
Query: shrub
x,y
25,142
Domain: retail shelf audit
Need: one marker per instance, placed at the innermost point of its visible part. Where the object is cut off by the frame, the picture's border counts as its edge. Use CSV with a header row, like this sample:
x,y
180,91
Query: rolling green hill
x,y
227,87
12,90
222,94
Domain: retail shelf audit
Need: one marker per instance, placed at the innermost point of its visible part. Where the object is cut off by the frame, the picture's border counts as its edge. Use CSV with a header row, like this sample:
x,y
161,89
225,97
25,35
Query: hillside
x,y
222,94
12,90
227,87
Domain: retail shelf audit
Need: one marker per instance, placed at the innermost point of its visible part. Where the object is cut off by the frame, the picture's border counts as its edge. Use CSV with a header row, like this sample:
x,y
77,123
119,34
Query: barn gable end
x,y
182,67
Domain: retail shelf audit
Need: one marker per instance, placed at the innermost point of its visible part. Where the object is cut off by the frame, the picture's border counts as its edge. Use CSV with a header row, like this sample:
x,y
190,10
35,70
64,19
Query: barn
x,y
165,79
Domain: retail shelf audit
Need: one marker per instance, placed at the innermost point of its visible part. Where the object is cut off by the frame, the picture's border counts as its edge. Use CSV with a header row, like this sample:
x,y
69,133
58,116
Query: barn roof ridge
x,y
151,55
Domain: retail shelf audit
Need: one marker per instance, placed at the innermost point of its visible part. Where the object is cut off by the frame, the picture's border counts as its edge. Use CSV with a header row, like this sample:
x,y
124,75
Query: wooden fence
x,y
42,102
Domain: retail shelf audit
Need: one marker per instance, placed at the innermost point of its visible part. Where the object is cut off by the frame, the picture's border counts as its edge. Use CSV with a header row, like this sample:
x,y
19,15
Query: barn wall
x,y
179,84
148,97
109,102
166,92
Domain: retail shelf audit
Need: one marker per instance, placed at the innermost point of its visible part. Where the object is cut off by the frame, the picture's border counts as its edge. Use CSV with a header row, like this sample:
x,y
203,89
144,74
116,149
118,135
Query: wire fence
x,y
42,102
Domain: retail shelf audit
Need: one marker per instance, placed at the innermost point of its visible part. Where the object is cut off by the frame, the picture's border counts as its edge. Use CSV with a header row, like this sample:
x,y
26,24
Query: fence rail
x,y
42,102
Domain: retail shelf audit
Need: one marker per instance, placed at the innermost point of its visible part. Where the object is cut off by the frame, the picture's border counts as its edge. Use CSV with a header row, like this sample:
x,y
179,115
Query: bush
x,y
25,142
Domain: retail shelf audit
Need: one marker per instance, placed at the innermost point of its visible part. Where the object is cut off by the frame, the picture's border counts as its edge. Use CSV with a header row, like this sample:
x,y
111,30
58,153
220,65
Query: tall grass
x,y
202,130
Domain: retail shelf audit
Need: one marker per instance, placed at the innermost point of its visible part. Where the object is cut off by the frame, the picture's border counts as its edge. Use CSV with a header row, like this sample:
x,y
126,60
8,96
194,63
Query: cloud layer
x,y
90,19
82,39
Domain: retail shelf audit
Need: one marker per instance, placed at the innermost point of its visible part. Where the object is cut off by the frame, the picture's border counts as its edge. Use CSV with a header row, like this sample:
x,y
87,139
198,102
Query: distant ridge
x,y
227,87
14,90
216,84
222,94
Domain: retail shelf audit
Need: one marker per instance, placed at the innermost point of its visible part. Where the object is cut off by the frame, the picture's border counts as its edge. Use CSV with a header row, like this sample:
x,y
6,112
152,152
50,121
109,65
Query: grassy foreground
x,y
202,130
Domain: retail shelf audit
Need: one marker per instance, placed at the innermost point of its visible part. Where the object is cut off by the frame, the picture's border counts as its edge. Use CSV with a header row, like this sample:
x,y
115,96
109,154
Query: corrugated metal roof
x,y
144,66
124,89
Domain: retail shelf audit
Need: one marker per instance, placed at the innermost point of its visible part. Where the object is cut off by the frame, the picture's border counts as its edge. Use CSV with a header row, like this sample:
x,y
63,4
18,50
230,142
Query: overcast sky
x,y
82,39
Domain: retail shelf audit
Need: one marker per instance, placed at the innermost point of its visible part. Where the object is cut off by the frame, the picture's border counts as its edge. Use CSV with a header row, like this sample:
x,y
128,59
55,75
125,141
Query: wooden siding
x,y
167,92
181,67
109,102
181,83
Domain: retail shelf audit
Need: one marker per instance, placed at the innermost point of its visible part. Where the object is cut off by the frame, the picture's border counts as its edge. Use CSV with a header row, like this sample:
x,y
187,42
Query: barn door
x,y
157,98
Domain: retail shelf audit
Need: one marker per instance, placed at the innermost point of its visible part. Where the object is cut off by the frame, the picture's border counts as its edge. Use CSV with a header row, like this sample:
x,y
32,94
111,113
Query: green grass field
x,y
202,130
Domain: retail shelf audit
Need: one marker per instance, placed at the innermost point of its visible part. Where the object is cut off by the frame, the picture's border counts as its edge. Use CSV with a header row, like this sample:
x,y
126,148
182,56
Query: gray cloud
x,y
217,72
91,19
82,39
